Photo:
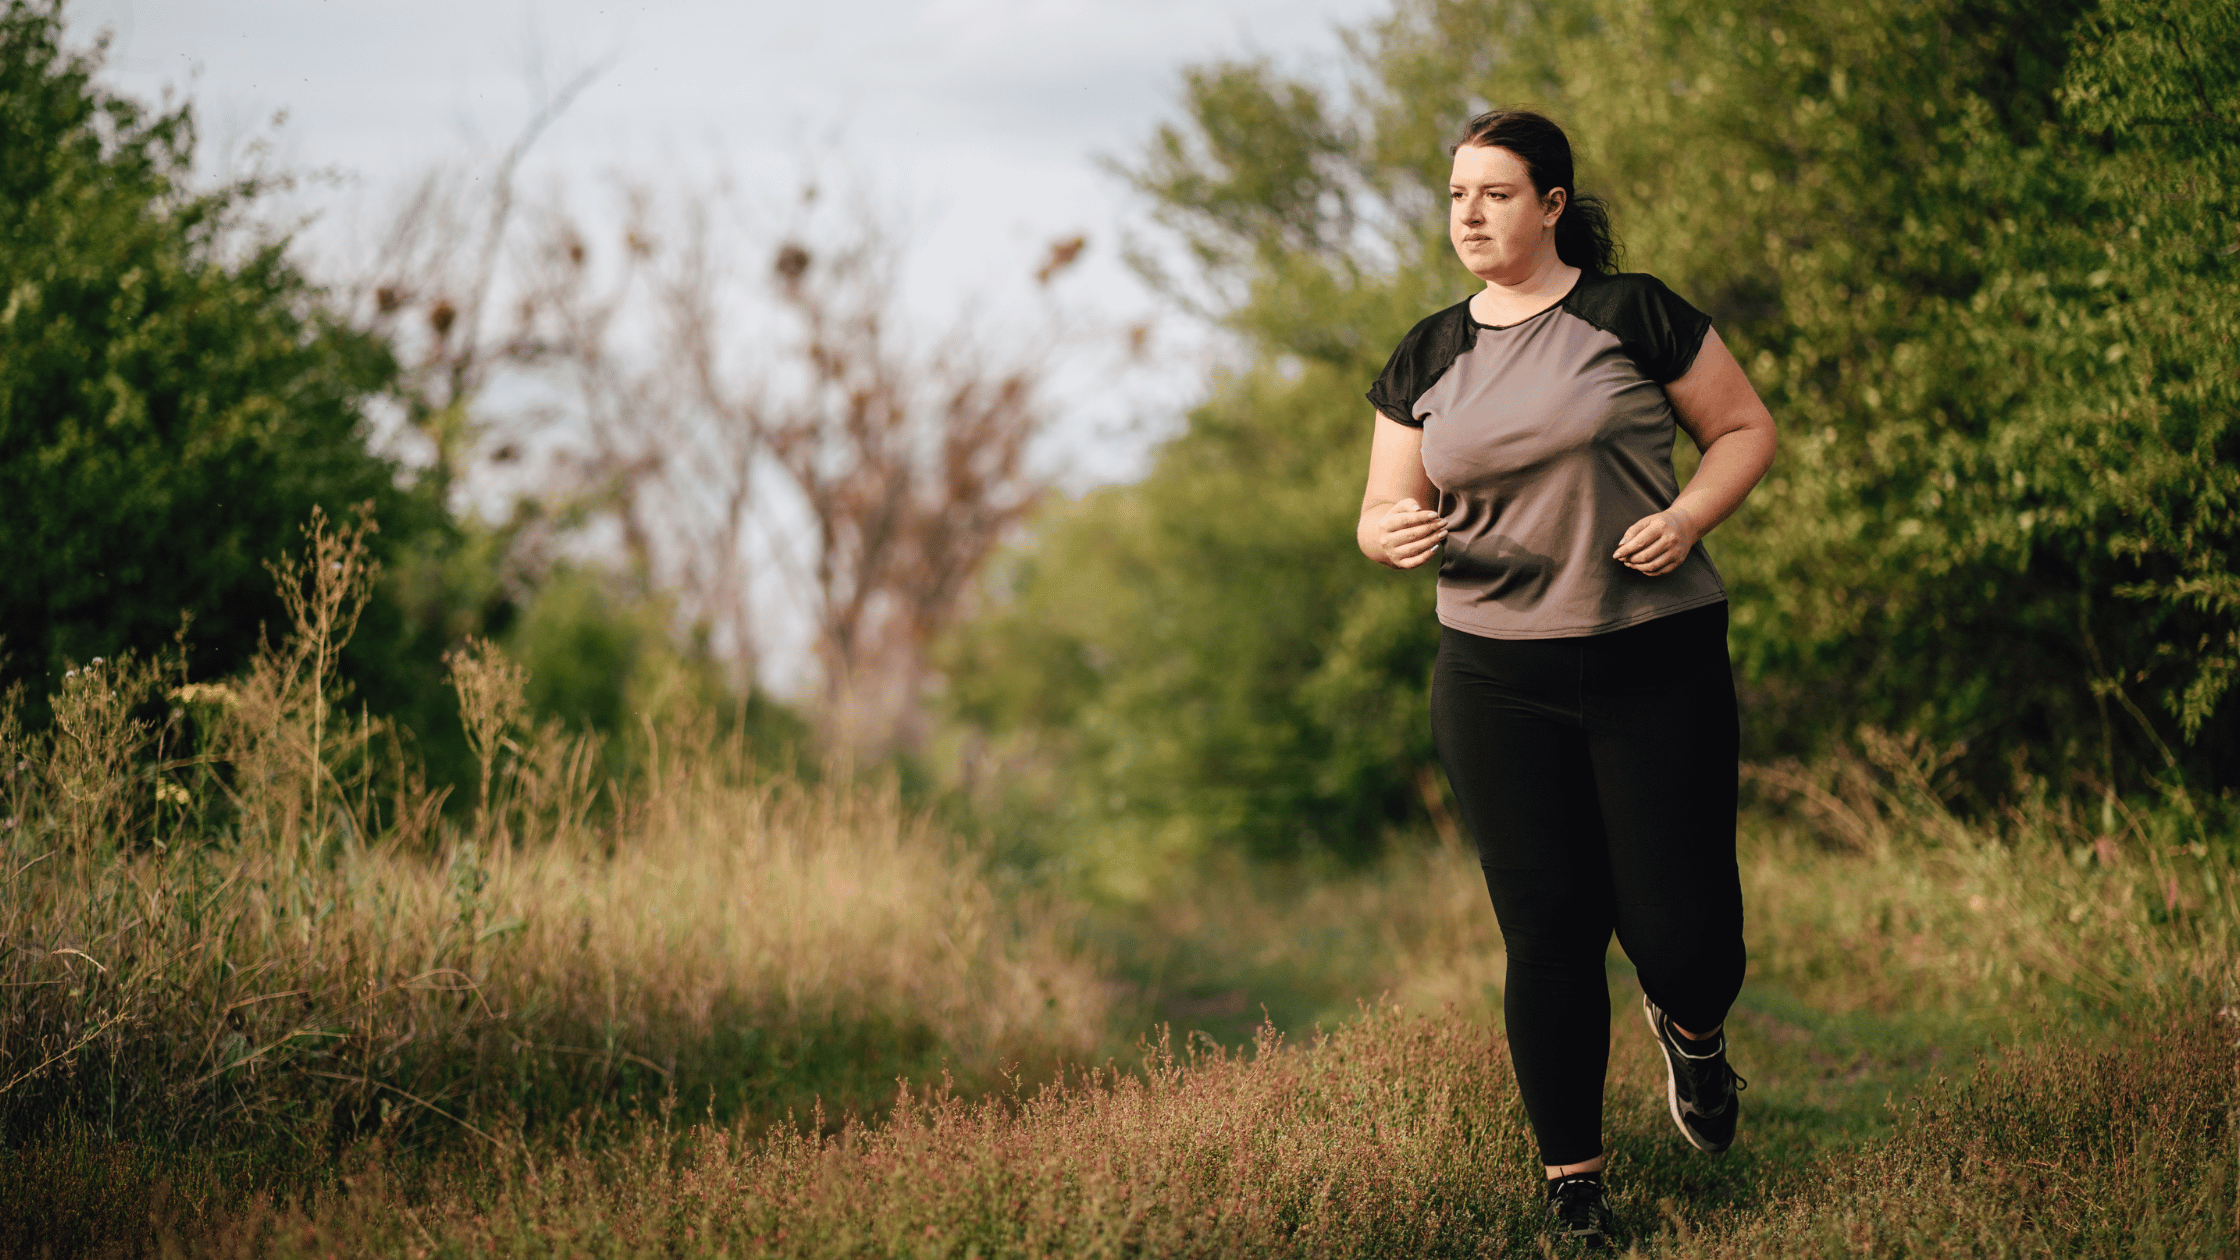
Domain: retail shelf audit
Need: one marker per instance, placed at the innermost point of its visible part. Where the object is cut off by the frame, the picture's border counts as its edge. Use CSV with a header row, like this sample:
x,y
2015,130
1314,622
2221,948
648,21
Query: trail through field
x,y
1965,1049
1843,1060
1821,1083
1821,1079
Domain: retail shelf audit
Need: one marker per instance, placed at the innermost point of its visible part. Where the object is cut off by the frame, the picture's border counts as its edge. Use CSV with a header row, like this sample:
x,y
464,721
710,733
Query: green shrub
x,y
175,397
1977,258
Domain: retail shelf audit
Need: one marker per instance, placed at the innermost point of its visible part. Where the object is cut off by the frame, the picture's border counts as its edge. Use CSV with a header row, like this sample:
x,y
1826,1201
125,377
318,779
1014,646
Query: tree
x,y
175,397
734,423
1973,254
909,469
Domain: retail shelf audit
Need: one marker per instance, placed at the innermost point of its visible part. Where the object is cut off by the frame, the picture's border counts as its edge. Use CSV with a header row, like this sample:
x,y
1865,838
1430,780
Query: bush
x,y
2004,374
177,397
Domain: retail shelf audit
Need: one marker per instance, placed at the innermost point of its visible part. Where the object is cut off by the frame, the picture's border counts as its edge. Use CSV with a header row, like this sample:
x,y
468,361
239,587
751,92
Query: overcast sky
x,y
975,125
984,118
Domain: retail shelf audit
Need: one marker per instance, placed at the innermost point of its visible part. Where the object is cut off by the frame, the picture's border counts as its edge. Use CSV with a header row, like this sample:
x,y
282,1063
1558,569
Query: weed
x,y
286,959
258,997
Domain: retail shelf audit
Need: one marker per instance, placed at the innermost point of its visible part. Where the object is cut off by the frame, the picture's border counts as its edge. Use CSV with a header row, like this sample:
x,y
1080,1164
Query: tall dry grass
x,y
1231,936
1874,895
235,915
1388,1139
232,911
1866,892
1398,1136
2116,1146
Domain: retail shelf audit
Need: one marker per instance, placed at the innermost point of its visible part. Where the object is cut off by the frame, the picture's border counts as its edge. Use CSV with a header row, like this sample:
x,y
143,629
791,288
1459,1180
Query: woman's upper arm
x,y
1396,465
1715,398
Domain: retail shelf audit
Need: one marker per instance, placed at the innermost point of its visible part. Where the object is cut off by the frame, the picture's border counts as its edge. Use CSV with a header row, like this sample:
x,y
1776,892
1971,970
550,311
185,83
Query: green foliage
x,y
2165,78
1999,337
1978,258
1210,673
174,398
602,655
602,660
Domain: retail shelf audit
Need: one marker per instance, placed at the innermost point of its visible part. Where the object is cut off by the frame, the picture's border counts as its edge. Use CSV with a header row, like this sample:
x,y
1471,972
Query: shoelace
x,y
1736,1083
1574,1200
1719,1056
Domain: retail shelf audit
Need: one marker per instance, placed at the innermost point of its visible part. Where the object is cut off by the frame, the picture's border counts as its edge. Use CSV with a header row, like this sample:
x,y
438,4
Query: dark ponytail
x,y
1583,236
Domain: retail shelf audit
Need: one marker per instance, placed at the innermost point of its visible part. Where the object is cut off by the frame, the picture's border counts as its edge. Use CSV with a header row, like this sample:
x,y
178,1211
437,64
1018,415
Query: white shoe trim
x,y
1650,1012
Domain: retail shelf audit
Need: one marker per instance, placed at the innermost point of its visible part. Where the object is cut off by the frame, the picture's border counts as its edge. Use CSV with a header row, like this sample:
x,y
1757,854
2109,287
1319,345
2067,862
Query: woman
x,y
1582,702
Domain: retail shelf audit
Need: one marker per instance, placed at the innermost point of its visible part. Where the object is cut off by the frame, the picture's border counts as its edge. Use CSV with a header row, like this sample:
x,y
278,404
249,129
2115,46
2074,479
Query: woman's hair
x,y
1583,236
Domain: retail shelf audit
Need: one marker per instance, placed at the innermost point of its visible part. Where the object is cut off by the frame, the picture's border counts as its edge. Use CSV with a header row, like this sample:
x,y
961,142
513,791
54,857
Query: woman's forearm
x,y
1731,466
1394,538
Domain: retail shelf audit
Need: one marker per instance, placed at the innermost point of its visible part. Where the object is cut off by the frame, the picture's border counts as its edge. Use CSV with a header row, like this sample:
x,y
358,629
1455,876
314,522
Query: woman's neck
x,y
1506,302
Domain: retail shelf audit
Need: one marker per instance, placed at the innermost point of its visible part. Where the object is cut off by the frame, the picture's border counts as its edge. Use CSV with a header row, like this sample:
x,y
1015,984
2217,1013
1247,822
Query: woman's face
x,y
1498,222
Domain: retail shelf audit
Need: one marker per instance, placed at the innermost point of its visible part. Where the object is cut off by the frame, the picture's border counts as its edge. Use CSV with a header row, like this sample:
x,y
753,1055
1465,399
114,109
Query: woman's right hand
x,y
1409,534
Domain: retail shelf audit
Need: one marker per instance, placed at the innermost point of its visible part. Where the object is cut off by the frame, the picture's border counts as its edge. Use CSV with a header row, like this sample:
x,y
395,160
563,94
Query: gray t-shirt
x,y
1548,439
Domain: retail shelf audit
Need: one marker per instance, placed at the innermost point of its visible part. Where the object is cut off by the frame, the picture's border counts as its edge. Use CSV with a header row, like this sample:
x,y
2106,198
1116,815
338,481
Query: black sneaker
x,y
1698,1083
1579,1211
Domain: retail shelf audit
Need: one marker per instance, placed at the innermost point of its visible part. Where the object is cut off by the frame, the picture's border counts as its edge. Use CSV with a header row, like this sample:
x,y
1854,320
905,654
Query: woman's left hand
x,y
1657,544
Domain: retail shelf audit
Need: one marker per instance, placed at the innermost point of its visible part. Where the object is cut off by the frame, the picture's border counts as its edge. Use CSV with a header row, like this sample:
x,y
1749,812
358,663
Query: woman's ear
x,y
1553,204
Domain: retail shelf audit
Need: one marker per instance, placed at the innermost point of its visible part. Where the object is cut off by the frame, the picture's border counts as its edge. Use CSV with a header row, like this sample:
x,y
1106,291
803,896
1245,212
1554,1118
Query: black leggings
x,y
1598,776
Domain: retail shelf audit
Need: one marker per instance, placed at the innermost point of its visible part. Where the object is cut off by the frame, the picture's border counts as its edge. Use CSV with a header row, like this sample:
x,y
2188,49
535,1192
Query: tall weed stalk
x,y
1877,895
276,933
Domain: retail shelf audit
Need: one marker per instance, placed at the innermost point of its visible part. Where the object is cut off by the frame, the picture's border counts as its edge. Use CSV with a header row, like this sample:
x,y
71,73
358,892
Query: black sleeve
x,y
1423,356
1661,331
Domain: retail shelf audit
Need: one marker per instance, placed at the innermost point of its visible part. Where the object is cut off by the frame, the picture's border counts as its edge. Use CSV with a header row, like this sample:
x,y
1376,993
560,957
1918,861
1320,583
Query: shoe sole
x,y
1590,1239
1672,1083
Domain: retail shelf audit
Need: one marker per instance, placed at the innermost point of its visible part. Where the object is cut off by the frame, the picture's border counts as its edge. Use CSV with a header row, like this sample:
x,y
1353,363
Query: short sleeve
x,y
1656,326
1421,358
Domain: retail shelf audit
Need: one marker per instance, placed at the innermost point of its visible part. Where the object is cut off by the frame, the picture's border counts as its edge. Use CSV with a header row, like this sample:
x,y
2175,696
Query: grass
x,y
761,940
228,917
1911,1103
1396,1135
259,997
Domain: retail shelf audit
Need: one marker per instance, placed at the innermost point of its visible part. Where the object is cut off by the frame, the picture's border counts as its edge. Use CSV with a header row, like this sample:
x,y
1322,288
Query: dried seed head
x,y
792,263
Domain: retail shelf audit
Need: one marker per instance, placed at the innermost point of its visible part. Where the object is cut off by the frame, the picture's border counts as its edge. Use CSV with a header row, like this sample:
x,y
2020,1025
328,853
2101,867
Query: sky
x,y
973,128
977,125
